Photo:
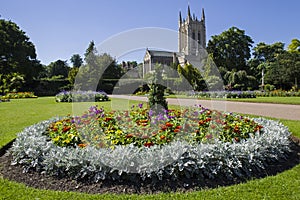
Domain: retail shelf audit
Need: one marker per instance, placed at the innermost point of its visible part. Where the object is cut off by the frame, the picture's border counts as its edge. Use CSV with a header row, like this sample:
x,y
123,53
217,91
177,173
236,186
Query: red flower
x,y
201,122
129,135
163,127
258,127
145,137
178,127
176,130
168,124
107,119
236,129
66,128
209,136
144,124
148,144
208,120
213,126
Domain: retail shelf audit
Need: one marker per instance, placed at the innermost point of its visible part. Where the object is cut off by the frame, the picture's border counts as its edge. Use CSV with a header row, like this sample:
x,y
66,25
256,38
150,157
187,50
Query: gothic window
x,y
198,37
194,40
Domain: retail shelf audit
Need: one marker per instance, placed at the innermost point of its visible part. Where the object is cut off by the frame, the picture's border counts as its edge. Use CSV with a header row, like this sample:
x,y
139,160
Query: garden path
x,y
280,111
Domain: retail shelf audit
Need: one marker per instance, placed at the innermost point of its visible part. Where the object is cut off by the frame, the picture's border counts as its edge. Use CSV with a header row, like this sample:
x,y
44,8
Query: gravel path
x,y
280,111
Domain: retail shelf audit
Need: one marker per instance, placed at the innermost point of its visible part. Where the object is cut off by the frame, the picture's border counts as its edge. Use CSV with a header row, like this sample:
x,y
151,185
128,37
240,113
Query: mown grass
x,y
276,100
18,114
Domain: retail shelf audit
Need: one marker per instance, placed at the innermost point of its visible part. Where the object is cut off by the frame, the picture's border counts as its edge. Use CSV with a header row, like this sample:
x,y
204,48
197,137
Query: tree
x,y
230,50
58,68
192,75
17,53
238,80
90,53
284,73
294,46
267,53
10,82
76,60
97,68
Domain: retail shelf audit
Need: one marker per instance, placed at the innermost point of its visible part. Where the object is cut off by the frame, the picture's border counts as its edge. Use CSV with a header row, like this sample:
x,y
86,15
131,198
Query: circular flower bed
x,y
119,145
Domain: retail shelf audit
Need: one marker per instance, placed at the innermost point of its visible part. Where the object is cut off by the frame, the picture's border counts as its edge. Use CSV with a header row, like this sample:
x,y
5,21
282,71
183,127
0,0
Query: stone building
x,y
191,40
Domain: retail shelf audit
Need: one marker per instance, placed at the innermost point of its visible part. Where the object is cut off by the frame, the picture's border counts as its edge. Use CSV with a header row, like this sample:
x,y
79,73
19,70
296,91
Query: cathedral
x,y
191,40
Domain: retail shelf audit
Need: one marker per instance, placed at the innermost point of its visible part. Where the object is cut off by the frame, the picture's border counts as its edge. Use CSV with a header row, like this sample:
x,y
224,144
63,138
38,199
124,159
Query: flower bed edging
x,y
33,150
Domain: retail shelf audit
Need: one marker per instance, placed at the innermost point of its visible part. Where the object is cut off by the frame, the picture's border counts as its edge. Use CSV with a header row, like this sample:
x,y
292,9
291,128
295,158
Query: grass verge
x,y
276,100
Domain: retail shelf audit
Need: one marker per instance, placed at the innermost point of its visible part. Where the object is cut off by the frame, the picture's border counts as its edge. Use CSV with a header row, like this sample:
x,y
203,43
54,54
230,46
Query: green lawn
x,y
17,114
278,100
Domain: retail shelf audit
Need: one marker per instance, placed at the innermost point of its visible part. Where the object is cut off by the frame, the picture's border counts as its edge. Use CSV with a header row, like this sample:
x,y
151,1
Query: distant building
x,y
191,40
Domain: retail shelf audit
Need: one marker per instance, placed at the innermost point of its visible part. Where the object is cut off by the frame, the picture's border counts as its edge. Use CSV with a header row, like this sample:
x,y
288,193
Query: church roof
x,y
156,53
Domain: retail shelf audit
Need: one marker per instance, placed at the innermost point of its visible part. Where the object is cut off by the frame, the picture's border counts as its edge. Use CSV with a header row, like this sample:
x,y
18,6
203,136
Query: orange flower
x,y
236,129
176,130
201,122
66,128
82,145
178,127
107,119
129,135
162,137
163,127
168,124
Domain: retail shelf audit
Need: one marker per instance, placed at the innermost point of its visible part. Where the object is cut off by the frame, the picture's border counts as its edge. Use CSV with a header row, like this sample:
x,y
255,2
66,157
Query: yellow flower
x,y
56,139
119,132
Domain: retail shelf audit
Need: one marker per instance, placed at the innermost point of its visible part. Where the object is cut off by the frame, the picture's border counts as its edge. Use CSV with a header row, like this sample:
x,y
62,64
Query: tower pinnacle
x,y
180,18
189,12
203,15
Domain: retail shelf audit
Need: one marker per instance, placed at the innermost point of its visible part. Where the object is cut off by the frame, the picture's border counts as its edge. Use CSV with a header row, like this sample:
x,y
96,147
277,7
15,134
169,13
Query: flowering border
x,y
34,150
81,96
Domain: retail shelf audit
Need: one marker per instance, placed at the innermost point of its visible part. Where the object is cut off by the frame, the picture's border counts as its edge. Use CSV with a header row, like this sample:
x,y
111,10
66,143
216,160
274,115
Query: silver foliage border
x,y
35,151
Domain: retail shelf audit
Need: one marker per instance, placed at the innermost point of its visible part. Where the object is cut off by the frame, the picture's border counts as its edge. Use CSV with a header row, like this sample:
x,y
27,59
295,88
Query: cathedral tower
x,y
192,34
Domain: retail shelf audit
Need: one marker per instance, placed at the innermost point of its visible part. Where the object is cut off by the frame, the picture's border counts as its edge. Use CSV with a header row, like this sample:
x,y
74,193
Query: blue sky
x,y
61,28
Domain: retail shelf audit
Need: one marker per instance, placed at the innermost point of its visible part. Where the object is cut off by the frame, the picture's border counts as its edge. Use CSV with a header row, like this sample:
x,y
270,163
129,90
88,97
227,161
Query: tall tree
x,y
263,55
284,73
96,68
294,46
17,52
230,51
58,68
76,60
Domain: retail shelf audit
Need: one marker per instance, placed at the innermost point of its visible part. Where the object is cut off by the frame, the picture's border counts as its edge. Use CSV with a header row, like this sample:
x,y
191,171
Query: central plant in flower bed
x,y
142,144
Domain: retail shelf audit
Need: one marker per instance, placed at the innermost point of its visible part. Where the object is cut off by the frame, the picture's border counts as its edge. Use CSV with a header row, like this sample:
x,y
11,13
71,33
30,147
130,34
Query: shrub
x,y
81,96
222,94
156,98
19,95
